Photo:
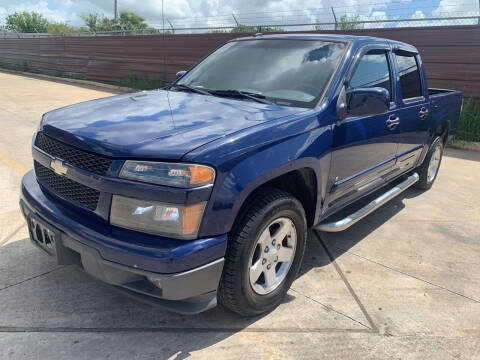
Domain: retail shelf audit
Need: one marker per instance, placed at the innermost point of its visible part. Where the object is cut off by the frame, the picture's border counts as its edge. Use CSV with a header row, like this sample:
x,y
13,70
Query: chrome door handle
x,y
423,113
393,122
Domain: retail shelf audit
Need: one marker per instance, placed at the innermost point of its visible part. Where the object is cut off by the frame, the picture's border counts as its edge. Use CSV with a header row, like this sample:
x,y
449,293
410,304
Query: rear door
x,y
413,108
364,147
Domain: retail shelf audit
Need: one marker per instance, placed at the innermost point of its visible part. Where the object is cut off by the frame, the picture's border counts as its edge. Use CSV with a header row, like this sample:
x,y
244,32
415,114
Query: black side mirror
x,y
367,101
180,74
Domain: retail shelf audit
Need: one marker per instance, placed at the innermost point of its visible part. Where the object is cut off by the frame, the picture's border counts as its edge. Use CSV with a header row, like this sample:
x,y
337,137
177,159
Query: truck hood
x,y
155,124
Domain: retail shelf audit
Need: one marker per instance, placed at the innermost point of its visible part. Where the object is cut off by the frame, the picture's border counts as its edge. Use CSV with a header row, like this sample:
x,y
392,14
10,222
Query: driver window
x,y
373,70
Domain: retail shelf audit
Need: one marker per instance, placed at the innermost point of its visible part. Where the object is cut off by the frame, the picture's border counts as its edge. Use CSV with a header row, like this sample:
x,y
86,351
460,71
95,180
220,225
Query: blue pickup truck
x,y
204,190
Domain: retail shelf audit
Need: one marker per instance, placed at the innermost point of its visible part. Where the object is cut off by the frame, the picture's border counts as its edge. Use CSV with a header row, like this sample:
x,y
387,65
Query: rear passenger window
x,y
410,82
372,71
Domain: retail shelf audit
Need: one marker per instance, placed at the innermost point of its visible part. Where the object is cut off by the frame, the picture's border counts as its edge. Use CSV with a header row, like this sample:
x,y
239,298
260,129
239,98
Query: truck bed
x,y
446,106
434,91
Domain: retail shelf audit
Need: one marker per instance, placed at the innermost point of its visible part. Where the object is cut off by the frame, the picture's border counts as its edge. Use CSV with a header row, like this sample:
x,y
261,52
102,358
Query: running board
x,y
348,221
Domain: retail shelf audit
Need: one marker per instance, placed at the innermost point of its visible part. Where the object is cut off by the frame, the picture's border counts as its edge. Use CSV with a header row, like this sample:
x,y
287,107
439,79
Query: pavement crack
x,y
347,284
9,237
40,329
332,309
31,278
409,275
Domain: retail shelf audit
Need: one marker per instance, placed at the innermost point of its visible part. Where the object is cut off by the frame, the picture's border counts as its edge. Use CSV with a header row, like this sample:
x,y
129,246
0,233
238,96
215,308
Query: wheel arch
x,y
301,183
301,178
442,130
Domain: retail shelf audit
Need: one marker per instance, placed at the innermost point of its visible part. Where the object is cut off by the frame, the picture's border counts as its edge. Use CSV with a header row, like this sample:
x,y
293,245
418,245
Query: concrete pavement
x,y
404,283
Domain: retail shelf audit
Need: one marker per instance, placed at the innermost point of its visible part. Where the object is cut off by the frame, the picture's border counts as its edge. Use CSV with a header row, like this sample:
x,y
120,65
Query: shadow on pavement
x,y
462,154
355,234
47,298
53,298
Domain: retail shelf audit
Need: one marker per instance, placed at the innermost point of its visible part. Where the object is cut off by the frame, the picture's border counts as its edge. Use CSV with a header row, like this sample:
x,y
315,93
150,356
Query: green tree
x,y
91,21
131,21
240,28
350,24
265,29
127,20
26,22
62,28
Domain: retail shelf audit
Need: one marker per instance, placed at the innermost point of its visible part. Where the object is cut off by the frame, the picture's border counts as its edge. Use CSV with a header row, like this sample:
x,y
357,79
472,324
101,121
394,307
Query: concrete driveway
x,y
404,283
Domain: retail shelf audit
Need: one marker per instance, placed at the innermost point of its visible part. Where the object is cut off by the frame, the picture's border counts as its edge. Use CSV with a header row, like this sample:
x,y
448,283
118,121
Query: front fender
x,y
232,188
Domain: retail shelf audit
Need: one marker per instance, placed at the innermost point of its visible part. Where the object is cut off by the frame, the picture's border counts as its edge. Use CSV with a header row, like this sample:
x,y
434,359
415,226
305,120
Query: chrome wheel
x,y
272,255
434,164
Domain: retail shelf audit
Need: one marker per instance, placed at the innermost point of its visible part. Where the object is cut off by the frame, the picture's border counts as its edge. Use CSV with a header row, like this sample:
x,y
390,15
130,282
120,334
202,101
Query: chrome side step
x,y
348,221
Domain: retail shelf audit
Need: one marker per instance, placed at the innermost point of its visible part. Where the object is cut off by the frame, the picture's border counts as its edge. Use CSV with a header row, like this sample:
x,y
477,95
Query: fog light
x,y
156,282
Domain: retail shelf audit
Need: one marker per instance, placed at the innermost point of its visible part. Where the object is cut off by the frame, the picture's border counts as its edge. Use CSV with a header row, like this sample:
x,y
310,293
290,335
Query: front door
x,y
364,147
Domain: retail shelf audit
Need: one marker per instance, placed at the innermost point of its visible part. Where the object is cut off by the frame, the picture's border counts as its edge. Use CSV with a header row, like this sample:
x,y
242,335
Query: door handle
x,y
423,113
393,122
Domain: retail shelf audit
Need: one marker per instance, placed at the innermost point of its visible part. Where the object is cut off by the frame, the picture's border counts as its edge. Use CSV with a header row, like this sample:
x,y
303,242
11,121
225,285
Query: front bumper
x,y
185,273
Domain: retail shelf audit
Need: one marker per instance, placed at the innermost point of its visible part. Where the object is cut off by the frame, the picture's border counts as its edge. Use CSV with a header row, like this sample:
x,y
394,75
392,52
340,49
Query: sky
x,y
203,13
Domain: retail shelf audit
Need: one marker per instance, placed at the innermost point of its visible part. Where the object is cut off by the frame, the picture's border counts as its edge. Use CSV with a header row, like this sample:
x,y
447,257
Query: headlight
x,y
40,124
170,174
172,220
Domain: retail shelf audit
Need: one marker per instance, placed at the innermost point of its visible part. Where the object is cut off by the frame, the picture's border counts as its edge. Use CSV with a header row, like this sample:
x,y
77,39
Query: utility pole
x,y
335,18
115,10
163,22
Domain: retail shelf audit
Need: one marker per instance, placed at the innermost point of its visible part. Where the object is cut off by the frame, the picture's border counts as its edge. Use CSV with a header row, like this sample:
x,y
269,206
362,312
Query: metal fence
x,y
251,25
451,54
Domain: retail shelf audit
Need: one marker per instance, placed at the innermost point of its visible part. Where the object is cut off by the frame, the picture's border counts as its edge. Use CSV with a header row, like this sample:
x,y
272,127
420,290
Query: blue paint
x,y
247,143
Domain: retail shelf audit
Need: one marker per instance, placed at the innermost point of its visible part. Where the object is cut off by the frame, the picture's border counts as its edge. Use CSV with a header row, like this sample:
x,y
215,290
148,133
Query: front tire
x,y
428,171
264,253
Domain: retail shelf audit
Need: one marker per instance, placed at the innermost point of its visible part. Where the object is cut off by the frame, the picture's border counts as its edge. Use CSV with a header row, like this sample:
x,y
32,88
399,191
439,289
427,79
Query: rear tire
x,y
264,253
428,171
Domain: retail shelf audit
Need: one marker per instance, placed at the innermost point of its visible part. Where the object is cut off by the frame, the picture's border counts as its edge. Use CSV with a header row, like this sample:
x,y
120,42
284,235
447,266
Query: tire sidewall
x,y
292,210
437,143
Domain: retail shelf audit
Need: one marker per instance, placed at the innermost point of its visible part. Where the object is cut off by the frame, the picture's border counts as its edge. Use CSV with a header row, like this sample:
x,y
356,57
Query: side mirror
x,y
180,74
367,101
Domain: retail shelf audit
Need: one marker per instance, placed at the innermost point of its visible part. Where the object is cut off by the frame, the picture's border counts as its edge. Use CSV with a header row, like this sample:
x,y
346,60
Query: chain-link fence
x,y
250,25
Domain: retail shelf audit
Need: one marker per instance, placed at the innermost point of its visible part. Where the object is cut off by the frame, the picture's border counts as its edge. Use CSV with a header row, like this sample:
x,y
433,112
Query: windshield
x,y
285,72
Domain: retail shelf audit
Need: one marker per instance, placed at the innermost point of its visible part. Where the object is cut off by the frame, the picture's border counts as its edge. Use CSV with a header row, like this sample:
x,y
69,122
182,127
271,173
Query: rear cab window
x,y
409,75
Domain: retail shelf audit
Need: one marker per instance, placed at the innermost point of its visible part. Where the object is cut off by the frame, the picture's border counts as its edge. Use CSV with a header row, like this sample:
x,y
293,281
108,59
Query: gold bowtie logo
x,y
58,167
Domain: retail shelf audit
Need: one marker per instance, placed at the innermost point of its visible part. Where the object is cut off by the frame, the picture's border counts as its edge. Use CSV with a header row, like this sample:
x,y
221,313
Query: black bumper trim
x,y
177,286
187,292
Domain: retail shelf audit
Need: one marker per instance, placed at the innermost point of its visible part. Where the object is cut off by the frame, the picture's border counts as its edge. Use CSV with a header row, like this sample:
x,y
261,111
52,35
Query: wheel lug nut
x,y
269,266
266,249
278,246
264,261
273,242
276,259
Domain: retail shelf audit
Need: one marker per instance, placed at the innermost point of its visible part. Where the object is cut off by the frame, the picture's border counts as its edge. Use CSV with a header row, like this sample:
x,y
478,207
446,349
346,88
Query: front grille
x,y
79,158
66,188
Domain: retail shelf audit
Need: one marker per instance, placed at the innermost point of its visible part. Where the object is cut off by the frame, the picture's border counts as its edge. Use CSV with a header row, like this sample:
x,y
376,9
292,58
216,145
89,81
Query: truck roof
x,y
360,40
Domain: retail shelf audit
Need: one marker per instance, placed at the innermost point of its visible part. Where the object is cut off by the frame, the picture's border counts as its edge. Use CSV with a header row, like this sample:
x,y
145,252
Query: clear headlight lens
x,y
171,220
170,174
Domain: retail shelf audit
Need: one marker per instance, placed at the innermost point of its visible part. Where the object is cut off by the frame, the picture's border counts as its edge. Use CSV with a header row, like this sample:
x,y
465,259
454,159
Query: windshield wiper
x,y
190,88
243,94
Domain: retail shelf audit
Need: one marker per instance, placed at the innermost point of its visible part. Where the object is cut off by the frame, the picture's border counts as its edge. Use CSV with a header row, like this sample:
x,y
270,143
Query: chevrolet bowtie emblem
x,y
58,167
